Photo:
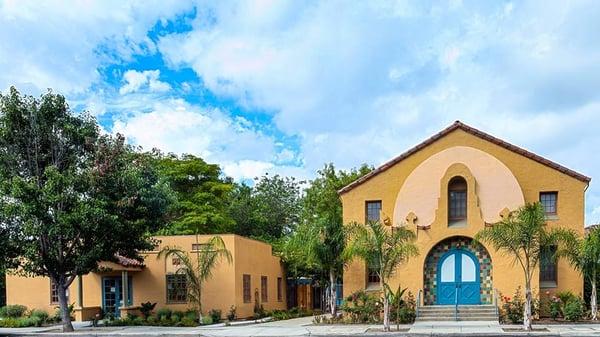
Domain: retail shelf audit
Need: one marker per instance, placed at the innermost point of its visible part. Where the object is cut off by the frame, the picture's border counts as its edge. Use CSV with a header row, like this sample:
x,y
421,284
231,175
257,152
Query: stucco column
x,y
125,285
80,291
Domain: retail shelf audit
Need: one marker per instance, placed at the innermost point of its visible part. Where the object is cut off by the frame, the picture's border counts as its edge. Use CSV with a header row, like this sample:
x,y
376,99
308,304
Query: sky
x,y
286,86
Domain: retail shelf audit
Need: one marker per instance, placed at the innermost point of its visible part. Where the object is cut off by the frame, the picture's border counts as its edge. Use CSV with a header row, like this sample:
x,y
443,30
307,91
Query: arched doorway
x,y
458,269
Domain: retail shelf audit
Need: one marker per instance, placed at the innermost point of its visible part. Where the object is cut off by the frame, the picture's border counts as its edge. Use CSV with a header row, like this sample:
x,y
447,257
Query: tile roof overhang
x,y
475,132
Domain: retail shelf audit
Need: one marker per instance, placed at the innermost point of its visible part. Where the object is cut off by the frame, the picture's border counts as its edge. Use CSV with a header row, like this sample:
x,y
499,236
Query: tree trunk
x,y
593,301
61,289
386,308
527,311
332,293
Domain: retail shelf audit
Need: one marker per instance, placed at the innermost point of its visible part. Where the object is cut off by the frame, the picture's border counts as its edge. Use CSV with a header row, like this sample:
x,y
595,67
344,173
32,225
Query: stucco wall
x,y
488,164
220,292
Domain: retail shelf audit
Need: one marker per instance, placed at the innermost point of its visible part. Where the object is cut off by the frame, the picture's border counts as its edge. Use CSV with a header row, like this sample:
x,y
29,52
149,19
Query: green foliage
x,y
72,196
565,296
555,307
40,314
231,315
402,308
146,309
207,320
215,314
164,313
523,235
574,309
188,321
13,311
362,308
512,308
201,193
21,322
267,211
295,312
198,266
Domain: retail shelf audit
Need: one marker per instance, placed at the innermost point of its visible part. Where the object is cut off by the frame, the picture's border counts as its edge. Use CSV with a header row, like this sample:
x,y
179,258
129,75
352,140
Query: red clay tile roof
x,y
128,262
459,125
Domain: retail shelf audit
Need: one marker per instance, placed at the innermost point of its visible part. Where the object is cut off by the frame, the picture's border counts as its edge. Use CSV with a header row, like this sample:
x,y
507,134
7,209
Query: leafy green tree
x,y
383,250
584,255
320,240
274,203
198,270
201,194
74,197
523,235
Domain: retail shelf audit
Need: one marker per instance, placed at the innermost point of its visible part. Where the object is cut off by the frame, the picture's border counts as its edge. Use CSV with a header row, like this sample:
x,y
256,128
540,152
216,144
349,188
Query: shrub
x,y
163,313
146,309
41,314
512,309
13,311
138,321
574,309
191,313
176,316
215,314
362,308
555,307
231,315
565,296
175,319
207,320
188,321
20,322
151,320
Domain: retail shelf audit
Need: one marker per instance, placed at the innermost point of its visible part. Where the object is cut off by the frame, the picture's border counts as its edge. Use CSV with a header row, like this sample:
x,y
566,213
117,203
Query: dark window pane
x,y
176,288
372,276
548,271
457,199
264,297
373,211
279,289
246,288
548,201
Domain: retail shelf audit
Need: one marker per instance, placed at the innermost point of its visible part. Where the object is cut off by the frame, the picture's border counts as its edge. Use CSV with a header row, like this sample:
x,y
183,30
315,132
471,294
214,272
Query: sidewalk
x,y
303,327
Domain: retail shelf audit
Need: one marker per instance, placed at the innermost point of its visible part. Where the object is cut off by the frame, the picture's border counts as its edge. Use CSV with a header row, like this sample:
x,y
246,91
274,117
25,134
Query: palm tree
x,y
584,255
523,235
197,272
383,250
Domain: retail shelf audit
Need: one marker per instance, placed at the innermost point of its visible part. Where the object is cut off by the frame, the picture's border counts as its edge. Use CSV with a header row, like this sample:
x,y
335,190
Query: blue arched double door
x,y
458,278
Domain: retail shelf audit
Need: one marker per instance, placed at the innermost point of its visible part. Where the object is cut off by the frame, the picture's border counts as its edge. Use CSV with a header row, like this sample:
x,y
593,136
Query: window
x,y
264,297
246,288
54,293
548,201
372,211
457,199
372,276
548,270
279,289
176,288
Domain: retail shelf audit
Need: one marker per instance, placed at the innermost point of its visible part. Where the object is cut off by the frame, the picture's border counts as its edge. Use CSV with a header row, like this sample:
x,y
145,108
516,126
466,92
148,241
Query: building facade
x,y
448,188
254,275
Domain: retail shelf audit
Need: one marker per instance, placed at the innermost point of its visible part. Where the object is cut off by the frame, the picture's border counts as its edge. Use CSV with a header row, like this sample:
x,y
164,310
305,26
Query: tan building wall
x,y
223,290
497,177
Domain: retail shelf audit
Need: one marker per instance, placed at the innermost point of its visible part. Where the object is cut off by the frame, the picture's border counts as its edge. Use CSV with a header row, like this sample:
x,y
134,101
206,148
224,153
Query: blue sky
x,y
285,86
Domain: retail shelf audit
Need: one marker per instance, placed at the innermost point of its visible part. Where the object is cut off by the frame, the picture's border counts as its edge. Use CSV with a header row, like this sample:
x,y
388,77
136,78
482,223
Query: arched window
x,y
457,200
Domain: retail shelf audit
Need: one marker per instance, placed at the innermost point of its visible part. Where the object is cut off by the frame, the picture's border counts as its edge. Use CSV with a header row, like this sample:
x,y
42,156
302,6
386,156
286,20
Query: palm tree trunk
x,y
593,300
527,311
332,293
386,307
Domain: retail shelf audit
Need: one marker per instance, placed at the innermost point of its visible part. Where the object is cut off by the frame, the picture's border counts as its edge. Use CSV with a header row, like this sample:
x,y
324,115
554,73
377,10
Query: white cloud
x,y
382,76
172,125
61,45
136,80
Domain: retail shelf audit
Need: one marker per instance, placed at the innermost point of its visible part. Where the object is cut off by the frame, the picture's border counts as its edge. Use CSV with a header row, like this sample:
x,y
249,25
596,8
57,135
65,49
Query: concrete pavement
x,y
304,327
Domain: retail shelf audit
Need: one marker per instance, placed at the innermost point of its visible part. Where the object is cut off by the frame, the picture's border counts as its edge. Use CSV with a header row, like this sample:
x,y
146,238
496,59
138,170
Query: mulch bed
x,y
550,321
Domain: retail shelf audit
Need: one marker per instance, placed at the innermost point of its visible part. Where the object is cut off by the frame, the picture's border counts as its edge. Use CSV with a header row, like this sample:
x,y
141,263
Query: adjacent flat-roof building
x,y
254,275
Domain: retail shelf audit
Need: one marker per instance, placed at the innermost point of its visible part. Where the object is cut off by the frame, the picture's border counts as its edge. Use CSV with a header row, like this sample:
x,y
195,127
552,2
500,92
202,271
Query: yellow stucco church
x,y
448,188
